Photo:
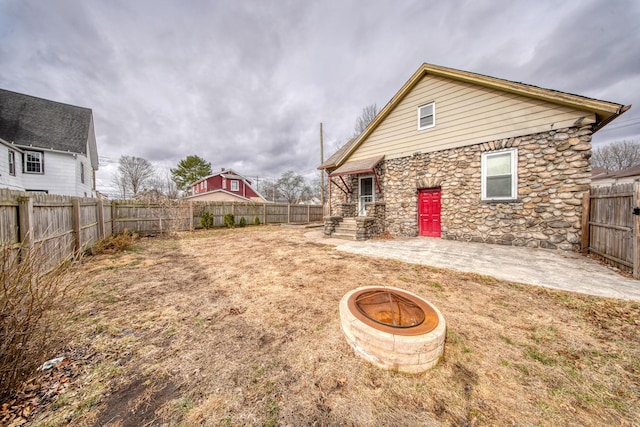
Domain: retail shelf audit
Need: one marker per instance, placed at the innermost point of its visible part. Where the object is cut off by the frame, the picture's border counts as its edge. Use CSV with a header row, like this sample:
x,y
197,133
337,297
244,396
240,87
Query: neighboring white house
x,y
46,146
10,169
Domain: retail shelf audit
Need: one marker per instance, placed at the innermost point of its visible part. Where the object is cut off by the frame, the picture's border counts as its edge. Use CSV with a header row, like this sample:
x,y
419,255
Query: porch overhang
x,y
358,167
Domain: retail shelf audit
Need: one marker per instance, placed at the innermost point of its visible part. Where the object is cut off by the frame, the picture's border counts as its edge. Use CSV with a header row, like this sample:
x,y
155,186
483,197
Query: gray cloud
x,y
245,84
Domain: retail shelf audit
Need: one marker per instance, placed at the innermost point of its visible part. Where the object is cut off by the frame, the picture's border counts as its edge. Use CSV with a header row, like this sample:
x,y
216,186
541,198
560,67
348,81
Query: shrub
x,y
115,243
35,303
229,220
256,221
206,220
243,222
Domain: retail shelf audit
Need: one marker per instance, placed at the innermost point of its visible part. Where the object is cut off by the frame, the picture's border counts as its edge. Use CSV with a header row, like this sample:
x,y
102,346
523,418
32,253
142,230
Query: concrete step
x,y
344,236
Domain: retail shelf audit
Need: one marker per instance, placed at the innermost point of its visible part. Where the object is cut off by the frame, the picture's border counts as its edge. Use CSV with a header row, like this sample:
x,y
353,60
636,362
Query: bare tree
x,y
292,187
368,114
616,156
269,189
133,173
160,187
119,182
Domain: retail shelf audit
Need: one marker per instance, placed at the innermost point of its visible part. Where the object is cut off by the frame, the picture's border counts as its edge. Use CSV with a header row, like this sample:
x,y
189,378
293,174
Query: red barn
x,y
226,185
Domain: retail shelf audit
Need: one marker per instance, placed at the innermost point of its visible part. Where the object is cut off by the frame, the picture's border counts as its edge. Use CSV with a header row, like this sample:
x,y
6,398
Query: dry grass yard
x,y
240,327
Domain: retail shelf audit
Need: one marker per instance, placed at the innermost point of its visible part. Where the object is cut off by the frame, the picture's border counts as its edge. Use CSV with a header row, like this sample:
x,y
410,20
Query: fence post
x,y
114,209
308,214
191,215
288,213
25,222
100,218
636,232
586,215
264,213
75,202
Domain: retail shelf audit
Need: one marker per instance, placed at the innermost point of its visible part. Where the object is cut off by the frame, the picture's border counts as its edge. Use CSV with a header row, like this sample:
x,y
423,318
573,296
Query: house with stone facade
x,y
469,157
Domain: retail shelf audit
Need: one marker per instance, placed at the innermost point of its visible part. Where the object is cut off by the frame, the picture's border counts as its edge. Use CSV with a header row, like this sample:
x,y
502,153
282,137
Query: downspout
x,y
329,184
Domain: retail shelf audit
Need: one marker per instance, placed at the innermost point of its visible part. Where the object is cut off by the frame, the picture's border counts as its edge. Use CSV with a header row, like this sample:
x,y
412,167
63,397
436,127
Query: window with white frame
x,y
235,185
82,173
33,162
12,162
500,175
427,116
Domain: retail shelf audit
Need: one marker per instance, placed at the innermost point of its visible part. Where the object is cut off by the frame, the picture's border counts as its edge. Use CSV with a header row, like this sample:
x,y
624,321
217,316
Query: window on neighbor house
x,y
34,162
427,116
499,175
235,186
82,173
12,163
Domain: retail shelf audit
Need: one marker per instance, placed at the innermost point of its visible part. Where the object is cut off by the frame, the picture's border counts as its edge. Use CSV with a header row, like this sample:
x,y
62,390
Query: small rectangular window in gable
x,y
427,116
500,175
235,186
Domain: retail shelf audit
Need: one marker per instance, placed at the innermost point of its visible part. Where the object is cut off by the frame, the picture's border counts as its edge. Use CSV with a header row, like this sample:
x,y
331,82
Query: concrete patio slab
x,y
554,269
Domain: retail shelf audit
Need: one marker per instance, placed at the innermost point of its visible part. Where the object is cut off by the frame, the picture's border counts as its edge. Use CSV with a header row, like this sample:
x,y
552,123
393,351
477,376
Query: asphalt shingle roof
x,y
26,120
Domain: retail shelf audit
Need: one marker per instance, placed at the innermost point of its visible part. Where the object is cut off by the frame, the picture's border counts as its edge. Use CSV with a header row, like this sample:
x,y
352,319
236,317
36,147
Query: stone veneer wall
x,y
553,174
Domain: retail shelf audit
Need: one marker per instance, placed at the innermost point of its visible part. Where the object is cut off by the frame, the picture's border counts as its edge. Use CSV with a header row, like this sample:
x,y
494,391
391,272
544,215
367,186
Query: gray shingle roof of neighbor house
x,y
30,121
624,173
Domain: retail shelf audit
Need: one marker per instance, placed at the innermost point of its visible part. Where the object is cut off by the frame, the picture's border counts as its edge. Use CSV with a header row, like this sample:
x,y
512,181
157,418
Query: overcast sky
x,y
245,84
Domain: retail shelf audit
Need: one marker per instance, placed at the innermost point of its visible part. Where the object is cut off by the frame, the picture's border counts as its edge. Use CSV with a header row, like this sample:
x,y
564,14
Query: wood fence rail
x,y
61,225
610,229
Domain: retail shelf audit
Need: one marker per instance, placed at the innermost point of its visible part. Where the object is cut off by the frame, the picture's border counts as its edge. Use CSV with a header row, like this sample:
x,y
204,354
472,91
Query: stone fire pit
x,y
393,328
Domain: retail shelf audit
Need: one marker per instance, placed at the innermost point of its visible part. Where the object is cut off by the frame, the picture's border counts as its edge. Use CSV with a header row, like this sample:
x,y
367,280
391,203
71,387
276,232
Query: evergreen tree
x,y
189,170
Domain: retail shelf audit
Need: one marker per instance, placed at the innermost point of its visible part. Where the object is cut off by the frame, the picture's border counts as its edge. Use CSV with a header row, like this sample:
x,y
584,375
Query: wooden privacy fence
x,y
61,225
267,213
56,225
611,225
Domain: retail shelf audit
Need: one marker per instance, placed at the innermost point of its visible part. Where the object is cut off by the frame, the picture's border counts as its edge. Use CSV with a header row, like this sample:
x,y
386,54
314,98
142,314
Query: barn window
x,y
500,175
427,116
235,186
34,162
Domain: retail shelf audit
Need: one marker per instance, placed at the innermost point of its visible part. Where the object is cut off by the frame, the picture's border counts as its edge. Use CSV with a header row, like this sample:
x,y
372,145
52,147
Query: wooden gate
x,y
610,229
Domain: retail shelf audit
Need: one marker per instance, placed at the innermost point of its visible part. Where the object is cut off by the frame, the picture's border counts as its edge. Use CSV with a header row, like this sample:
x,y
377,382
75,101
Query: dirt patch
x,y
136,404
241,327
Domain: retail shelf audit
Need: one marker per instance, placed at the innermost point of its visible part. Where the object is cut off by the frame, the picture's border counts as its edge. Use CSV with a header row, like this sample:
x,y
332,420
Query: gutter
x,y
603,123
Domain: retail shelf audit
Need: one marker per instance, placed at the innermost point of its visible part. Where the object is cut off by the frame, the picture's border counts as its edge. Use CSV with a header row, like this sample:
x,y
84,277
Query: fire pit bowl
x,y
393,328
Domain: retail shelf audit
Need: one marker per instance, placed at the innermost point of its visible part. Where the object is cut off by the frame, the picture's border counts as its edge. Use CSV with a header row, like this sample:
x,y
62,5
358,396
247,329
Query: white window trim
x,y
362,209
26,156
433,108
235,185
12,163
514,174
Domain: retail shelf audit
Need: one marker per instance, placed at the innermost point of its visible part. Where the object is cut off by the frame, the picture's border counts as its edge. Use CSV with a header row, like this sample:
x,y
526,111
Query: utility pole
x,y
321,170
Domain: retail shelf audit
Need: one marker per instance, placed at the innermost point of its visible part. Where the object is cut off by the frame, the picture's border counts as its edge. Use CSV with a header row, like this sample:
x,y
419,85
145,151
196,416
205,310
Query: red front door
x,y
429,204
